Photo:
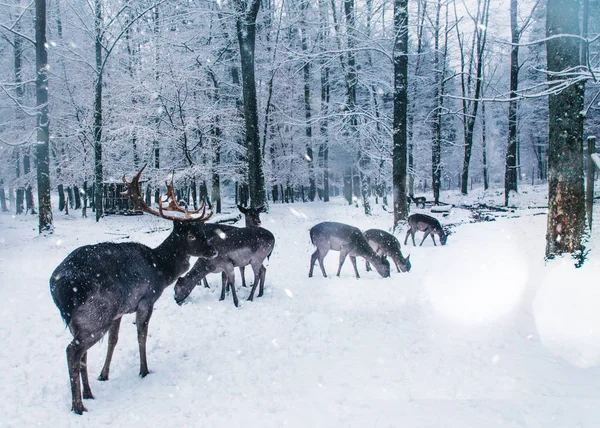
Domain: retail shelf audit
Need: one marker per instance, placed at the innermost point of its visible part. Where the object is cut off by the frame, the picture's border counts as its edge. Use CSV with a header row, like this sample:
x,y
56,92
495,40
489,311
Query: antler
x,y
133,193
174,206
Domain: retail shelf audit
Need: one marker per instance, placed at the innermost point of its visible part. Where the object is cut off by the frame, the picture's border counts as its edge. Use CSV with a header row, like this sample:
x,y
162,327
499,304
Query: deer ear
x,y
242,209
261,209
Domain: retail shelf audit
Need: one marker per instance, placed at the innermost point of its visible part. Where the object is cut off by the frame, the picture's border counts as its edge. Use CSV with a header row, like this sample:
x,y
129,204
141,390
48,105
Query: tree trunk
x,y
247,12
436,145
325,92
486,183
399,130
20,201
510,172
312,189
45,224
61,198
481,36
77,197
566,197
3,206
98,170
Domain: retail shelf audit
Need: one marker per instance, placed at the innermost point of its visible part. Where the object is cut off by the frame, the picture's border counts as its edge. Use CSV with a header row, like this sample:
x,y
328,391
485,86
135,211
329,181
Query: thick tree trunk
x,y
247,12
566,197
510,171
399,177
45,224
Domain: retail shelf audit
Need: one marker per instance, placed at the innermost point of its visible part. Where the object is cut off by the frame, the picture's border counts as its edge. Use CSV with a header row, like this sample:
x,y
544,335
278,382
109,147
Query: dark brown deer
x,y
349,241
419,201
239,247
429,225
386,244
251,218
97,284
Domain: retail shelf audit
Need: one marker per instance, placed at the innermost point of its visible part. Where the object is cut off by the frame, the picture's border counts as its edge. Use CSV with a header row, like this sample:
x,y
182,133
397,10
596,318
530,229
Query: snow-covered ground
x,y
480,333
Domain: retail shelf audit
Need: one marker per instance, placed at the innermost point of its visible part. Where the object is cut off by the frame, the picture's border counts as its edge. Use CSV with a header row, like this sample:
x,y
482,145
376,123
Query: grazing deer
x,y
427,224
349,241
95,285
386,244
251,218
240,247
419,200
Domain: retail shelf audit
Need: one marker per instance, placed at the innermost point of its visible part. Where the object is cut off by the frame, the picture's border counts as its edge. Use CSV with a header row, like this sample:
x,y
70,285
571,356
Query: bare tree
x,y
480,21
45,224
400,56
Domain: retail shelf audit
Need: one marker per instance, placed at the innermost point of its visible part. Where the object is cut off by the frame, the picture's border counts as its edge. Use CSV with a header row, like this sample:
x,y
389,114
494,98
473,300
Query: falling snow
x,y
481,332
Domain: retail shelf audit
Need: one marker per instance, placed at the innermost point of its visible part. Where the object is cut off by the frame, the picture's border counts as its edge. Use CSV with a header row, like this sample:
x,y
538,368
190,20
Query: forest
x,y
279,101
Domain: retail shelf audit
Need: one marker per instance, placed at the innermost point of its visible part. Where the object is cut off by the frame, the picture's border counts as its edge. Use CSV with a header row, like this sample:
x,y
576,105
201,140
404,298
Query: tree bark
x,y
510,172
325,91
247,12
566,197
312,189
400,110
97,127
481,36
45,224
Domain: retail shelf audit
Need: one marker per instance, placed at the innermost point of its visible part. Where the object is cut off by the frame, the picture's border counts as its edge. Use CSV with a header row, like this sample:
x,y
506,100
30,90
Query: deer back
x,y
335,236
424,222
236,247
118,275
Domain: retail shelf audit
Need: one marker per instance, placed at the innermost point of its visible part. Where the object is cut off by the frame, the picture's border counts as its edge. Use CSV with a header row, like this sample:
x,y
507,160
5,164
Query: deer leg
x,y
76,351
263,275
424,237
407,235
343,254
87,392
353,260
205,281
242,274
313,259
142,319
257,280
224,281
433,239
223,285
113,338
321,257
367,266
231,284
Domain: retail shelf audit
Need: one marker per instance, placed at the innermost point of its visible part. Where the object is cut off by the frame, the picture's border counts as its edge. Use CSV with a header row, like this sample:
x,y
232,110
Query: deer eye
x,y
191,237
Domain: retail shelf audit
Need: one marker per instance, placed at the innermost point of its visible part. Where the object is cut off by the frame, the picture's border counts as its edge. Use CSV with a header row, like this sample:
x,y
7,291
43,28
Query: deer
x,y
419,200
386,244
429,225
95,285
251,218
236,248
349,241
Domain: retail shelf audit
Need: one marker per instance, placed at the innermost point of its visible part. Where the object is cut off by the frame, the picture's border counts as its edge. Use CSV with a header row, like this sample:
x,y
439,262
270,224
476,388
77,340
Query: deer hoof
x,y
144,373
102,378
78,408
